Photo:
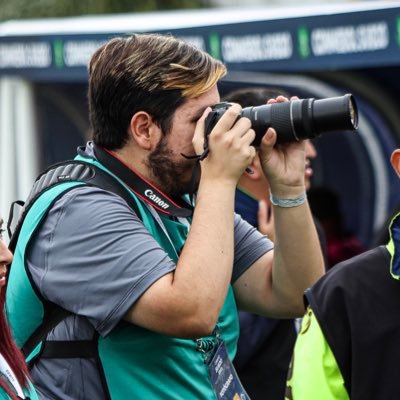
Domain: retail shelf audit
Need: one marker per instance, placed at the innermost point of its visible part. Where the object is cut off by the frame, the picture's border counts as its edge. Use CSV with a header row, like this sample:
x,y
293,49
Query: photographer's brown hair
x,y
147,72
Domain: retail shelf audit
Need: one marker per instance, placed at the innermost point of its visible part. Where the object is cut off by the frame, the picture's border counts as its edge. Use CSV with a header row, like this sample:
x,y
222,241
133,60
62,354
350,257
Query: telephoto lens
x,y
296,119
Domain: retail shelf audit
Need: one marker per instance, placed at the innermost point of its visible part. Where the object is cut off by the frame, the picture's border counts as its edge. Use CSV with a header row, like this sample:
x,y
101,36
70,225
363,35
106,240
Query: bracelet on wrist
x,y
288,203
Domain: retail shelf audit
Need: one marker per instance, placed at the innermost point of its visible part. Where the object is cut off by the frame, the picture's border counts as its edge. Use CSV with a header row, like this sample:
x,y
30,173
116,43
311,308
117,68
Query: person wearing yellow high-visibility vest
x,y
349,343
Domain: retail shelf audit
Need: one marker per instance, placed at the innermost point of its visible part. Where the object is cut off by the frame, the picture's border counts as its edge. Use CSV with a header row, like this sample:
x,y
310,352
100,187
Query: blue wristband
x,y
288,203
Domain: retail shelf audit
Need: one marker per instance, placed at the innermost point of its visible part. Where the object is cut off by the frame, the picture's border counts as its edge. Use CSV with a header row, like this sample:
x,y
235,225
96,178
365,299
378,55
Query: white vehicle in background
x,y
319,51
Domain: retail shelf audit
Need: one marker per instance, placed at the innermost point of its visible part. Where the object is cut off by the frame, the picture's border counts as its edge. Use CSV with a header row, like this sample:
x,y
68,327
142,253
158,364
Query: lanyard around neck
x,y
9,377
141,187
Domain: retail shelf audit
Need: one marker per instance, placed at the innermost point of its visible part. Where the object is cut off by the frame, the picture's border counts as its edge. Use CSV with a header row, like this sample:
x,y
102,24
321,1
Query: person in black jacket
x,y
349,344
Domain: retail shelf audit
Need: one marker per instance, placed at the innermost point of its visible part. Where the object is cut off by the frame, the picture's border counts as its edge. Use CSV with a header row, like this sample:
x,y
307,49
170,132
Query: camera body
x,y
296,119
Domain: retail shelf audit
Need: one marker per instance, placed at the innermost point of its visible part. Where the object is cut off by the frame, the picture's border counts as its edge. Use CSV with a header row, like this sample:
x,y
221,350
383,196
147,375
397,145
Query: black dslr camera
x,y
295,120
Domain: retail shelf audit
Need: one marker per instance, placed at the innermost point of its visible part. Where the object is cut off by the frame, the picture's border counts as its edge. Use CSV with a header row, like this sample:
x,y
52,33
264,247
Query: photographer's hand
x,y
229,146
283,164
275,284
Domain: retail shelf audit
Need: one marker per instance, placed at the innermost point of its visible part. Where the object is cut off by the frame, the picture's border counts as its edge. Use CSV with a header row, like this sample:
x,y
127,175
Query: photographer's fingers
x,y
268,141
244,131
226,122
242,135
198,137
230,146
234,133
279,99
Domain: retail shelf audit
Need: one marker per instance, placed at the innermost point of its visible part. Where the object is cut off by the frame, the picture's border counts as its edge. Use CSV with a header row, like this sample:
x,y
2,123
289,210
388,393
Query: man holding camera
x,y
156,290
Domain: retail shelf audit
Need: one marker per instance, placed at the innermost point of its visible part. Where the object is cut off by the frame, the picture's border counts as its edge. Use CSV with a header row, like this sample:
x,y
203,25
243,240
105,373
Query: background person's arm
x,y
275,283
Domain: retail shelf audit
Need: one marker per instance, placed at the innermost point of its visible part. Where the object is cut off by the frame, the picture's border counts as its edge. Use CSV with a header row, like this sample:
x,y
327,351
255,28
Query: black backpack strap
x,y
69,349
68,171
51,319
11,215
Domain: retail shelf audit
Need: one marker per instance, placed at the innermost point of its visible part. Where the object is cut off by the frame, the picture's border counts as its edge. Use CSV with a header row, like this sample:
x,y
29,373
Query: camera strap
x,y
209,124
141,187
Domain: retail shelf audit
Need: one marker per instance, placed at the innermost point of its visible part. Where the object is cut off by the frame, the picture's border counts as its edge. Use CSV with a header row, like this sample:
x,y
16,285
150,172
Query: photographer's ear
x,y
395,160
143,131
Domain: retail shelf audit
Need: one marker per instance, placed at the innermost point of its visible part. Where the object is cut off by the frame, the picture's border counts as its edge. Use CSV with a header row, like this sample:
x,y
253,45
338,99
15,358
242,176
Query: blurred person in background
x,y
14,376
341,243
349,343
265,345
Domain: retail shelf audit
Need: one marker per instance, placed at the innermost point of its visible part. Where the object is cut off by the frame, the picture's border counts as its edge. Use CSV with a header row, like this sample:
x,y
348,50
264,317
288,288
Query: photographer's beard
x,y
172,177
